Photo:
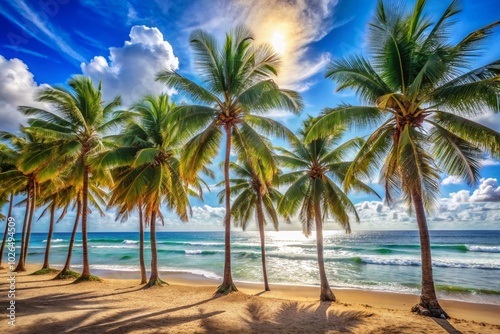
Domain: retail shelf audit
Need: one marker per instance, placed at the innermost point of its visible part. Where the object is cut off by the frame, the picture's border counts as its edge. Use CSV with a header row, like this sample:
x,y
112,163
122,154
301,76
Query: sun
x,y
278,42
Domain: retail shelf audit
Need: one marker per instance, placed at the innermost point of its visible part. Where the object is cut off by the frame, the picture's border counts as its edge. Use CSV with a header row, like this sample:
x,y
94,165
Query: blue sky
x,y
126,43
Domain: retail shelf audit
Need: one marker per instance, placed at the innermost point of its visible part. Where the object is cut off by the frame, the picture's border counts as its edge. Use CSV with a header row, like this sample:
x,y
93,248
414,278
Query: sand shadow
x,y
62,313
291,318
446,326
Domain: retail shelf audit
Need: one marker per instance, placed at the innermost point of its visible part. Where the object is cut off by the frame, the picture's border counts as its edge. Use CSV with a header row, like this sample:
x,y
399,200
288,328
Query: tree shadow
x,y
291,317
446,326
62,313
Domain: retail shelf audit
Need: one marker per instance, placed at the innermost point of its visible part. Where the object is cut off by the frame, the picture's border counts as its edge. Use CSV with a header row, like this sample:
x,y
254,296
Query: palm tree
x,y
76,128
22,149
237,85
317,168
8,157
147,169
56,194
255,197
420,94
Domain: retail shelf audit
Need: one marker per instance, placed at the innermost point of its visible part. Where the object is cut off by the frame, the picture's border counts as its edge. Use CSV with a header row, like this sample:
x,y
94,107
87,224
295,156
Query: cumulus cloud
x,y
488,191
17,88
294,23
131,69
452,179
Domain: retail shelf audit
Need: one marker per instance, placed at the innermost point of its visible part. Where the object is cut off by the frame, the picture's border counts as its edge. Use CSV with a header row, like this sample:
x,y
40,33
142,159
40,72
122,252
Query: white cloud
x,y
132,69
298,23
489,119
462,196
17,88
452,179
489,161
488,191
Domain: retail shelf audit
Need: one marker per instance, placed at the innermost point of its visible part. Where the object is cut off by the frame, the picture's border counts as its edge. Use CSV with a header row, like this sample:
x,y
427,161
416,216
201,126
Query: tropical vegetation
x,y
421,94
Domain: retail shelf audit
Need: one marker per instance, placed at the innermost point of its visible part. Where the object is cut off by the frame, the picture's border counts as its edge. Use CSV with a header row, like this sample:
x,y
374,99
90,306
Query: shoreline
x,y
183,277
369,299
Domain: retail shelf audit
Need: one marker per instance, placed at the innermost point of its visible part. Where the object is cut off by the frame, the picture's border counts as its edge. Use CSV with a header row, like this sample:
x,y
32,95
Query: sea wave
x,y
199,252
484,249
114,246
435,263
130,242
55,240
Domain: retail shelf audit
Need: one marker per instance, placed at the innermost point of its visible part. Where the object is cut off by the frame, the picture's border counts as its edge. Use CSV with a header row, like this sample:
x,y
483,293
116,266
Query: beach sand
x,y
188,305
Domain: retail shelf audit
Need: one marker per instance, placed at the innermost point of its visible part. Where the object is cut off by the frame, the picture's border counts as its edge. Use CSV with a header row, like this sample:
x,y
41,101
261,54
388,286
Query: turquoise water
x,y
466,263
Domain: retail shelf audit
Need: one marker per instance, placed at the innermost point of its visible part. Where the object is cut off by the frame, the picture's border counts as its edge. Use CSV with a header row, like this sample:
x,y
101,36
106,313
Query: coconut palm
x,y
21,150
255,197
147,169
236,85
75,128
318,169
8,157
420,92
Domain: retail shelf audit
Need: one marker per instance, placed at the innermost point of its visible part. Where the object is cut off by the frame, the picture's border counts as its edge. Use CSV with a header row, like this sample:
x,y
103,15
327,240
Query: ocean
x,y
466,263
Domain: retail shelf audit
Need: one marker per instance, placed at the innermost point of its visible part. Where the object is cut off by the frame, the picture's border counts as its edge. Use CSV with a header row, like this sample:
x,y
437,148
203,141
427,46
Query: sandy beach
x,y
188,305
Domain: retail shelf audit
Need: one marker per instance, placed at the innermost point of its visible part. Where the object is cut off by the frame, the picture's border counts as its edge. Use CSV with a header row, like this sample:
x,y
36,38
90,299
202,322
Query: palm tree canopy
x,y
318,168
246,184
144,161
420,92
79,117
236,86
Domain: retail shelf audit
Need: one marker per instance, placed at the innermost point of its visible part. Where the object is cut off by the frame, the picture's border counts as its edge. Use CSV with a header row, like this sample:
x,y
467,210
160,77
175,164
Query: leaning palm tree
x,y
255,197
147,168
318,169
236,85
75,128
420,95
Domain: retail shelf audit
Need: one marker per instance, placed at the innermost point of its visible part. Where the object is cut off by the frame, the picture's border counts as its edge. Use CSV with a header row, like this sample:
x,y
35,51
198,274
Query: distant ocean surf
x,y
466,263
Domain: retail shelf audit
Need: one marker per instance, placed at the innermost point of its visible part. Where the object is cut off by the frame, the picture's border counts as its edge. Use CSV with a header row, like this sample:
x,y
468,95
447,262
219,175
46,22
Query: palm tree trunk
x,y
227,285
49,236
144,279
67,265
30,220
326,292
428,304
2,249
260,220
85,212
21,265
154,278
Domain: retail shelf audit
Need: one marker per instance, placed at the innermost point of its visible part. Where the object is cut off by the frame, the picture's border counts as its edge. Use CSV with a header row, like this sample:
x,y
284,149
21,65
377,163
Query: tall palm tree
x,y
420,95
24,149
8,157
236,85
75,127
255,197
317,170
148,168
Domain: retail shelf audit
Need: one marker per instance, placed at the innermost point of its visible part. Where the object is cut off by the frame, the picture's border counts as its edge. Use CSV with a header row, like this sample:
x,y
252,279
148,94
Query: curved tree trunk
x,y
85,213
227,285
144,278
49,236
326,292
2,249
21,265
428,304
30,220
260,220
62,274
154,278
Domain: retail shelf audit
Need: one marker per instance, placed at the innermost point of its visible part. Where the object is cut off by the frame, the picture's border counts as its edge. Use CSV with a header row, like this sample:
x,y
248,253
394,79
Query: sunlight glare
x,y
278,42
